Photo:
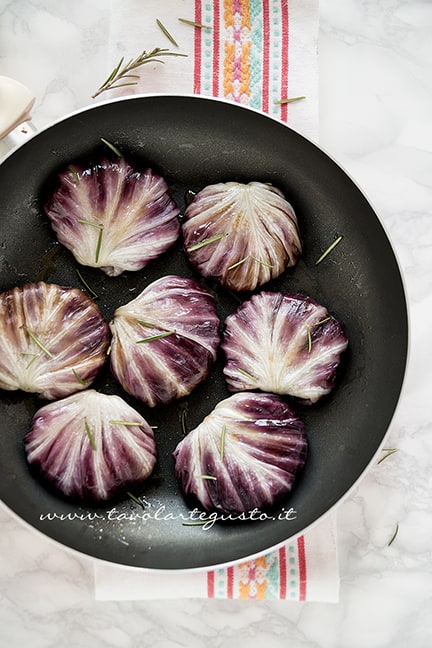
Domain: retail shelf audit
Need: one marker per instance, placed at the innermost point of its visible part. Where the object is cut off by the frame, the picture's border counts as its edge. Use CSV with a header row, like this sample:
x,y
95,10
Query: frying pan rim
x,y
367,467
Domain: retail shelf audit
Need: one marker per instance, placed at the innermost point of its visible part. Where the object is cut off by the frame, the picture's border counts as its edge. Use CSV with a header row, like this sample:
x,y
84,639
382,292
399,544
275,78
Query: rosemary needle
x,y
309,334
99,244
236,297
34,356
98,226
196,523
166,32
193,23
89,434
247,258
323,321
84,282
222,443
247,374
238,263
111,146
145,323
389,452
205,477
207,241
155,337
263,263
289,100
75,173
329,249
123,70
127,423
39,343
78,377
183,421
394,535
135,499
84,221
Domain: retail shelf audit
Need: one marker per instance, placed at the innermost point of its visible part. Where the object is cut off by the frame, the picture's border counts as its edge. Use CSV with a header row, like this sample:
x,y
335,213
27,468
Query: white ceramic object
x,y
16,103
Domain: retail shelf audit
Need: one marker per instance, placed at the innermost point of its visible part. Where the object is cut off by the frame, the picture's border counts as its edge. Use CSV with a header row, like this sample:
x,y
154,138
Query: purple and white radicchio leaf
x,y
165,341
113,216
91,446
53,340
244,455
242,235
285,344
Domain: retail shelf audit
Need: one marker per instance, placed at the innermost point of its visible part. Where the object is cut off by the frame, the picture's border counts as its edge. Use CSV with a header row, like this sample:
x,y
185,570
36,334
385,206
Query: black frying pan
x,y
193,142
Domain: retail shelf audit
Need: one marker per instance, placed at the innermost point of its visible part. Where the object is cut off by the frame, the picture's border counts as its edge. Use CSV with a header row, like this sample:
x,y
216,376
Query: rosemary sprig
x,y
222,443
193,23
165,31
122,70
247,258
289,100
89,434
206,477
389,451
329,249
84,282
78,377
155,337
396,531
111,146
207,241
39,343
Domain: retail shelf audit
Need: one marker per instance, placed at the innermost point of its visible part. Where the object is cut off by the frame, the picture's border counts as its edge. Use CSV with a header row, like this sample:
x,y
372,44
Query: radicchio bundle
x,y
91,446
285,344
165,340
53,340
242,235
112,215
244,455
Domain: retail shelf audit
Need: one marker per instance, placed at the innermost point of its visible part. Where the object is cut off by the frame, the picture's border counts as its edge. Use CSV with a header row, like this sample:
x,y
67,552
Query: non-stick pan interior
x,y
194,142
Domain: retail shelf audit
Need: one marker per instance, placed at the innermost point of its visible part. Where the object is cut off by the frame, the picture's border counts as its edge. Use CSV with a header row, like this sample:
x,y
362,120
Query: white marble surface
x,y
375,117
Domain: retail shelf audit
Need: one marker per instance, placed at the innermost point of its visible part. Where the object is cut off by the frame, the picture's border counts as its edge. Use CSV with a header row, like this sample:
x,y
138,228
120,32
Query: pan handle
x,y
16,103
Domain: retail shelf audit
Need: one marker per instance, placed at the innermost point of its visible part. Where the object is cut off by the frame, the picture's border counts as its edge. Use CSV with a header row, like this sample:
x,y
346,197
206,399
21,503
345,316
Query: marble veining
x,y
375,107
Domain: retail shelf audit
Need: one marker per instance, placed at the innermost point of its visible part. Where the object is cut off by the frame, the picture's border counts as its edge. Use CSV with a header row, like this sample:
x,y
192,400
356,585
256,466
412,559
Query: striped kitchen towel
x,y
305,569
256,53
